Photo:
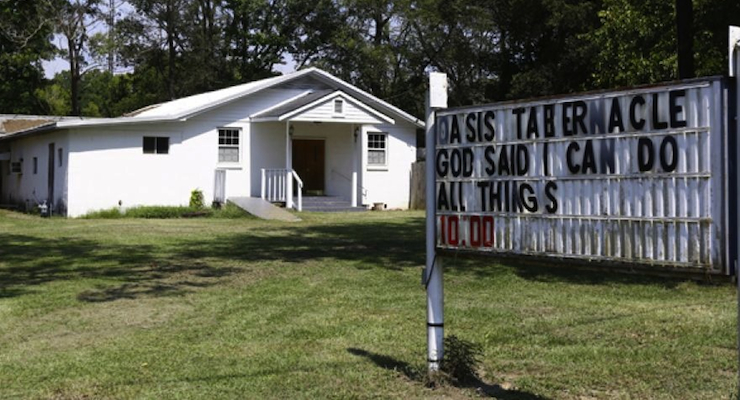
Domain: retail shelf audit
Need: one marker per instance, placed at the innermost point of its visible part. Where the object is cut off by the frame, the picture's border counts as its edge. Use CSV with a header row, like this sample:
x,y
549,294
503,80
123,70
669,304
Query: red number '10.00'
x,y
479,230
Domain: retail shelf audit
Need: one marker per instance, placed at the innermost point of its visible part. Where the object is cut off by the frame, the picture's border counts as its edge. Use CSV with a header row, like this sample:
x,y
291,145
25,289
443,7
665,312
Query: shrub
x,y
461,359
230,210
111,213
196,199
167,212
162,212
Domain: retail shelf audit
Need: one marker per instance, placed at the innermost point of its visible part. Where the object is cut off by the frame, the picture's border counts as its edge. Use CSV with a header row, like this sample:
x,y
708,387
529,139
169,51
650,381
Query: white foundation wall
x,y
390,184
29,189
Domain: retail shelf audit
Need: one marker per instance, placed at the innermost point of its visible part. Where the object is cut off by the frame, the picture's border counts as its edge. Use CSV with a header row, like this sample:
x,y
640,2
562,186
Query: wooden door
x,y
308,162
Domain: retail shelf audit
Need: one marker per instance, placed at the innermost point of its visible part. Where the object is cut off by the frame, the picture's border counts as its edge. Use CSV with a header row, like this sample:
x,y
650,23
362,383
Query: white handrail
x,y
274,186
362,188
299,208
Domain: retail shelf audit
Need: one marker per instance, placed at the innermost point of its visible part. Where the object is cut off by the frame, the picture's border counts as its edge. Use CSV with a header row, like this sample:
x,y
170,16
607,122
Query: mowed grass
x,y
332,307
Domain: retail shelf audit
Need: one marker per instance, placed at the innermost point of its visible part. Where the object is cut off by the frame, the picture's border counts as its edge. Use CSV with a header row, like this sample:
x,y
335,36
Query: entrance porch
x,y
313,145
320,160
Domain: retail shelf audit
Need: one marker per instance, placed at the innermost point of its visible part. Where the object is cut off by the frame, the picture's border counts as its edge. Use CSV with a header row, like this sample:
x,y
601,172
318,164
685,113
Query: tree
x,y
367,43
164,16
458,38
260,32
492,51
637,40
73,20
24,42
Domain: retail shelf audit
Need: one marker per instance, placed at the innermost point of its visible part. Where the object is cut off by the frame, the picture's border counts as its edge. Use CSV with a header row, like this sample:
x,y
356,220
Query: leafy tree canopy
x,y
491,50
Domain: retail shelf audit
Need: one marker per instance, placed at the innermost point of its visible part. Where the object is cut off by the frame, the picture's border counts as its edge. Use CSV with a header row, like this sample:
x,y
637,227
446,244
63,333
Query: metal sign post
x,y
734,58
436,99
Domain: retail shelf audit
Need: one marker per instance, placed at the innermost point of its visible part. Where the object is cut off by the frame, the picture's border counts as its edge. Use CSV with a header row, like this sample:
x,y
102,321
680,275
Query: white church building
x,y
307,131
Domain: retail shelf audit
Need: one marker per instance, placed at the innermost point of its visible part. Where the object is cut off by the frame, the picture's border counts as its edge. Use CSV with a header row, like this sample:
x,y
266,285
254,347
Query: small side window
x,y
339,106
156,145
60,152
35,165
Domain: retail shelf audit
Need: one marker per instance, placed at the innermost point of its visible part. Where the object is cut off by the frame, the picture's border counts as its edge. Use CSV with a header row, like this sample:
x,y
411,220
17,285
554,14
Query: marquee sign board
x,y
634,176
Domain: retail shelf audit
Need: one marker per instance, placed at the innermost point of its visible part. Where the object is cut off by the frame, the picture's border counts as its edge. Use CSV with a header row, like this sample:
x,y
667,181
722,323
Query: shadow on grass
x,y
159,269
31,261
390,245
483,388
395,246
578,273
388,363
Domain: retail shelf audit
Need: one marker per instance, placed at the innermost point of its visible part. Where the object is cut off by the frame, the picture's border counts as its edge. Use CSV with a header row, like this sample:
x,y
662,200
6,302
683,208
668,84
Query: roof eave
x,y
28,132
184,116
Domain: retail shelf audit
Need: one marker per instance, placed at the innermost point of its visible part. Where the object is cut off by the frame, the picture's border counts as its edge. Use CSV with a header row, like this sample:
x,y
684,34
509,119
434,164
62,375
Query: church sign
x,y
633,176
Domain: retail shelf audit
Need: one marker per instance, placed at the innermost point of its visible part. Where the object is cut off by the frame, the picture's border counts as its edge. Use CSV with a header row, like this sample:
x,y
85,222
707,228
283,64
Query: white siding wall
x,y
109,165
267,151
390,185
30,189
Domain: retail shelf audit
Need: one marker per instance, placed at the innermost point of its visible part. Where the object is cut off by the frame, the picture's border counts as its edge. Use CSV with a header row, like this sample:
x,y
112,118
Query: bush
x,y
168,212
196,199
159,212
230,210
111,213
461,359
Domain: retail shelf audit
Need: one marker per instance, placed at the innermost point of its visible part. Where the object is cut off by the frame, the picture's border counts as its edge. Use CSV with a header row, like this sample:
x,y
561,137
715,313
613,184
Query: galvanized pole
x,y
734,58
436,99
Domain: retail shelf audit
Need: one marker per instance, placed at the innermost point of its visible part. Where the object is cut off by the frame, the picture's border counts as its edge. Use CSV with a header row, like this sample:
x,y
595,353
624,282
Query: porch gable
x,y
324,106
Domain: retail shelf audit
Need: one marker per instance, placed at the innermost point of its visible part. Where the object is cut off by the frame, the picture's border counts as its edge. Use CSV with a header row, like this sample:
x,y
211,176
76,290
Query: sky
x,y
58,64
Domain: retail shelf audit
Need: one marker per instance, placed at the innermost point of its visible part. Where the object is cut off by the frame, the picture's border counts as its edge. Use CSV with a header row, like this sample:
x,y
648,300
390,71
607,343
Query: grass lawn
x,y
331,307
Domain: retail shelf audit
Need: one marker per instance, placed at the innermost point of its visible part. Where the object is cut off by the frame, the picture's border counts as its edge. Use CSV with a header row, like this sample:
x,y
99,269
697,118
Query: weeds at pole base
x,y
459,365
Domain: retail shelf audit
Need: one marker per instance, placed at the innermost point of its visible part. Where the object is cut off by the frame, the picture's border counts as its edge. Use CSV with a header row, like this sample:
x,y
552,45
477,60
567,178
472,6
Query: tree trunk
x,y
170,51
74,77
684,22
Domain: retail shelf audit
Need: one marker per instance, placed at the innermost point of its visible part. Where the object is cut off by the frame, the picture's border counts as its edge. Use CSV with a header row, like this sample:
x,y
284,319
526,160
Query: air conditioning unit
x,y
16,167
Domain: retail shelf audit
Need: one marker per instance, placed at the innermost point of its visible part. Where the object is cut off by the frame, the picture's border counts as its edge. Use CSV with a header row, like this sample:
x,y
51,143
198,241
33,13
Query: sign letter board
x,y
632,176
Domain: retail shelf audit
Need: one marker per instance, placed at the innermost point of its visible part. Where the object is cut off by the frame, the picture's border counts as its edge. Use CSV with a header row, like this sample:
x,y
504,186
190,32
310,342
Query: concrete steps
x,y
328,204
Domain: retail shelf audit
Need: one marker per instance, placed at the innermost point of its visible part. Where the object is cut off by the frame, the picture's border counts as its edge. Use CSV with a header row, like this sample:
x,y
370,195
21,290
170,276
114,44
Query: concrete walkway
x,y
262,208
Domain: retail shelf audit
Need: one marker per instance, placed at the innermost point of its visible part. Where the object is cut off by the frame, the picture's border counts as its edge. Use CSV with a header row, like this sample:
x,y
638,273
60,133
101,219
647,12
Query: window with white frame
x,y
377,149
228,145
338,106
